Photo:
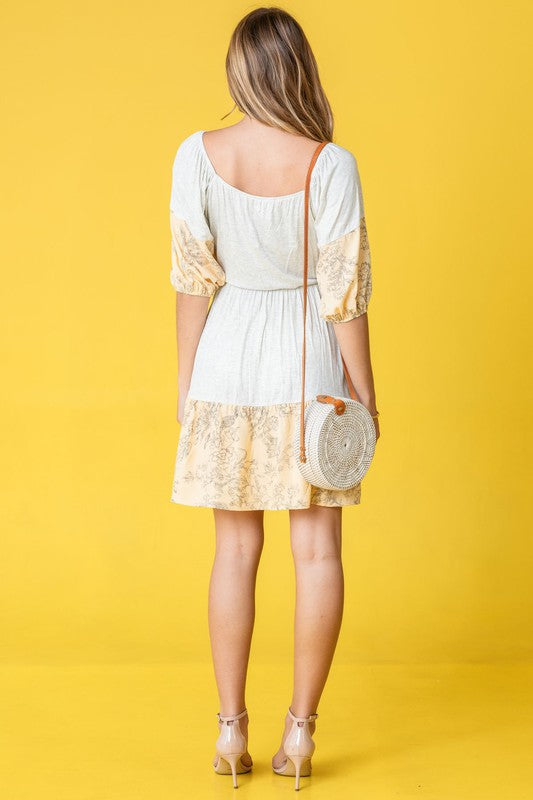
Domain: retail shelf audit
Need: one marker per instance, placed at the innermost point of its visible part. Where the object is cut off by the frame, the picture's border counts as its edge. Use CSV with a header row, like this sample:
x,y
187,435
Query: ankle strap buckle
x,y
231,717
310,718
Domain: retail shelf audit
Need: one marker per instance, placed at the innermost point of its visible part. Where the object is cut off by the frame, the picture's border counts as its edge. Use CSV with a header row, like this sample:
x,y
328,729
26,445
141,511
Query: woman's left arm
x,y
195,272
191,313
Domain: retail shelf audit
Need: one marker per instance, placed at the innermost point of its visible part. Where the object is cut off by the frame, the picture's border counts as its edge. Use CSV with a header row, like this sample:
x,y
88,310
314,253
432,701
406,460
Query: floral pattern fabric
x,y
194,268
344,276
242,458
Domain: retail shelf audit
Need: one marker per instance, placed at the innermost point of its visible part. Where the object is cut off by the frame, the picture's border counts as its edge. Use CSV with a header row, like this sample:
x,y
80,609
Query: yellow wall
x,y
96,563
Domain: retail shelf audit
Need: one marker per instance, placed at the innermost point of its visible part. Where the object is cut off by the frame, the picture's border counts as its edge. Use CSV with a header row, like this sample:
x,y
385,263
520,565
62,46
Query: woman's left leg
x,y
231,609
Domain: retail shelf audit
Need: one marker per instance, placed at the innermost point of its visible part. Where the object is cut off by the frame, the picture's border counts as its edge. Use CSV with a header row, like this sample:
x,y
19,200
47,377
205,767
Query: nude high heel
x,y
231,746
298,747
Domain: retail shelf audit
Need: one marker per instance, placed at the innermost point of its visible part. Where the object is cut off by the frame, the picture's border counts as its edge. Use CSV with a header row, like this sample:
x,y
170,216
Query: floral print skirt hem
x,y
241,457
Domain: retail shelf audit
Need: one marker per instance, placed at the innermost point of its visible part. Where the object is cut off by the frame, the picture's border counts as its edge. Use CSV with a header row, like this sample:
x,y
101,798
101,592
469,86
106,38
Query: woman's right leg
x,y
231,608
316,541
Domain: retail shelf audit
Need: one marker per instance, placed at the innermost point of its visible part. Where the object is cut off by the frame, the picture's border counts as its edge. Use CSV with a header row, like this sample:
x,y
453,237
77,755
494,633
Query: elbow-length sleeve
x,y
343,268
194,267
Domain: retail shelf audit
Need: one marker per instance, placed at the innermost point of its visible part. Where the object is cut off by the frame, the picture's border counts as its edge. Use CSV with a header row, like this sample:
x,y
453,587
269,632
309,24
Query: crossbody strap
x,y
351,389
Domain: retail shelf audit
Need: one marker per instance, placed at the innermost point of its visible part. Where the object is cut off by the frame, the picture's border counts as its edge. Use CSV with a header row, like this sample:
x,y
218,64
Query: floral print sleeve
x,y
194,266
194,269
343,269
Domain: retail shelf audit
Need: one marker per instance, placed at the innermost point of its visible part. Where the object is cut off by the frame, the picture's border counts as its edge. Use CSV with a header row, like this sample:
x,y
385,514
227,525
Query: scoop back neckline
x,y
230,186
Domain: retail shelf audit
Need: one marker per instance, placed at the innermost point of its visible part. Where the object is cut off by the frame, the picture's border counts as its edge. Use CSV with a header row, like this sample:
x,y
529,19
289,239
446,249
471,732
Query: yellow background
x,y
98,568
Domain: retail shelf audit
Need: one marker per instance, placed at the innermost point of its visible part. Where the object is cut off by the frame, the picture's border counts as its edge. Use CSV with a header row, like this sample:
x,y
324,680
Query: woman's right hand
x,y
371,408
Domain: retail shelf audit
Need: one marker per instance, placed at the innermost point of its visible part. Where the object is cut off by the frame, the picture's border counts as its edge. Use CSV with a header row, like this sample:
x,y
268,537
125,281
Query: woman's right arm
x,y
343,270
353,337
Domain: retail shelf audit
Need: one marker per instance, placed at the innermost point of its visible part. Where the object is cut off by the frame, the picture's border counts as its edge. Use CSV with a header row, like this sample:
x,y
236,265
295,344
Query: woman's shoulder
x,y
333,156
335,162
189,148
190,178
189,167
336,196
335,176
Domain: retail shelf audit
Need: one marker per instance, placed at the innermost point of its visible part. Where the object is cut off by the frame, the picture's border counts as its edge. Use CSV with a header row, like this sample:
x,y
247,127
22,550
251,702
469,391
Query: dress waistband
x,y
272,289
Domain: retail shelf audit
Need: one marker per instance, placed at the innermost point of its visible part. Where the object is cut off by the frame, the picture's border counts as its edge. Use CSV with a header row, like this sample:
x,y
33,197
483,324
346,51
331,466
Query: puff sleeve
x,y
194,267
343,268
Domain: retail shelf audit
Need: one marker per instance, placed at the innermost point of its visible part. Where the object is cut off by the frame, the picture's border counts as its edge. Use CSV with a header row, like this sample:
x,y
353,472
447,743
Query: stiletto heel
x,y
231,746
233,758
298,761
298,747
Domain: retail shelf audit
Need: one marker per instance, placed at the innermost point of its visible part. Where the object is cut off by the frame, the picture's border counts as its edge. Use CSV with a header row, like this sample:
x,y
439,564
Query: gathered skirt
x,y
242,412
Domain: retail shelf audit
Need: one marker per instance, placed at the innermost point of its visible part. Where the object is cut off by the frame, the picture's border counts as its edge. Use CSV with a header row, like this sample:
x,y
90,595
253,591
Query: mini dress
x,y
242,411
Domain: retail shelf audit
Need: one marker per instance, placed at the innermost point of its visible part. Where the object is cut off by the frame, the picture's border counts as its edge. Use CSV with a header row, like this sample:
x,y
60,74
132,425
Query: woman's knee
x,y
239,534
316,534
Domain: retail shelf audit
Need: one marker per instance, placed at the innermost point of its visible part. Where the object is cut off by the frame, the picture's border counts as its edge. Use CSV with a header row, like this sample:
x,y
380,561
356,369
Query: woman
x,y
236,214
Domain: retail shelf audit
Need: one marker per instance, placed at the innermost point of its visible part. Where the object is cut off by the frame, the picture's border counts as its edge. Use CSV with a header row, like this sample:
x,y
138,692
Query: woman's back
x,y
259,159
258,237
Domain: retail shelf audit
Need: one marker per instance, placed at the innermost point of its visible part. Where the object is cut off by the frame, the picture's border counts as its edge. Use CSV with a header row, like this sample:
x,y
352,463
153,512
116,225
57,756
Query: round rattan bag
x,y
337,437
339,442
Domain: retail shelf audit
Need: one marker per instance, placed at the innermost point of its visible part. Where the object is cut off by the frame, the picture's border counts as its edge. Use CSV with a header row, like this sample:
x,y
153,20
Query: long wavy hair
x,y
273,75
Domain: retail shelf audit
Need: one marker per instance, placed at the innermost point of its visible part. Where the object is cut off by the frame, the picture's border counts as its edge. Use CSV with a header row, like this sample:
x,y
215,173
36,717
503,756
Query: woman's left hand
x,y
182,397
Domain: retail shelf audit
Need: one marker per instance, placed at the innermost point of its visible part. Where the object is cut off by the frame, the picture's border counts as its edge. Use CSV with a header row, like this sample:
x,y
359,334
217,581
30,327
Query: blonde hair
x,y
273,75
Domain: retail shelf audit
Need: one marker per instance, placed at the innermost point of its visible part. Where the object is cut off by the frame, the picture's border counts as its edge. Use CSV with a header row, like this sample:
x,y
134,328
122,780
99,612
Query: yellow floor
x,y
91,732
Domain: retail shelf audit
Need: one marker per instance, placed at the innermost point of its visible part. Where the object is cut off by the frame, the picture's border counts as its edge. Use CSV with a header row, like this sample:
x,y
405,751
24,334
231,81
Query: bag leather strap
x,y
339,407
